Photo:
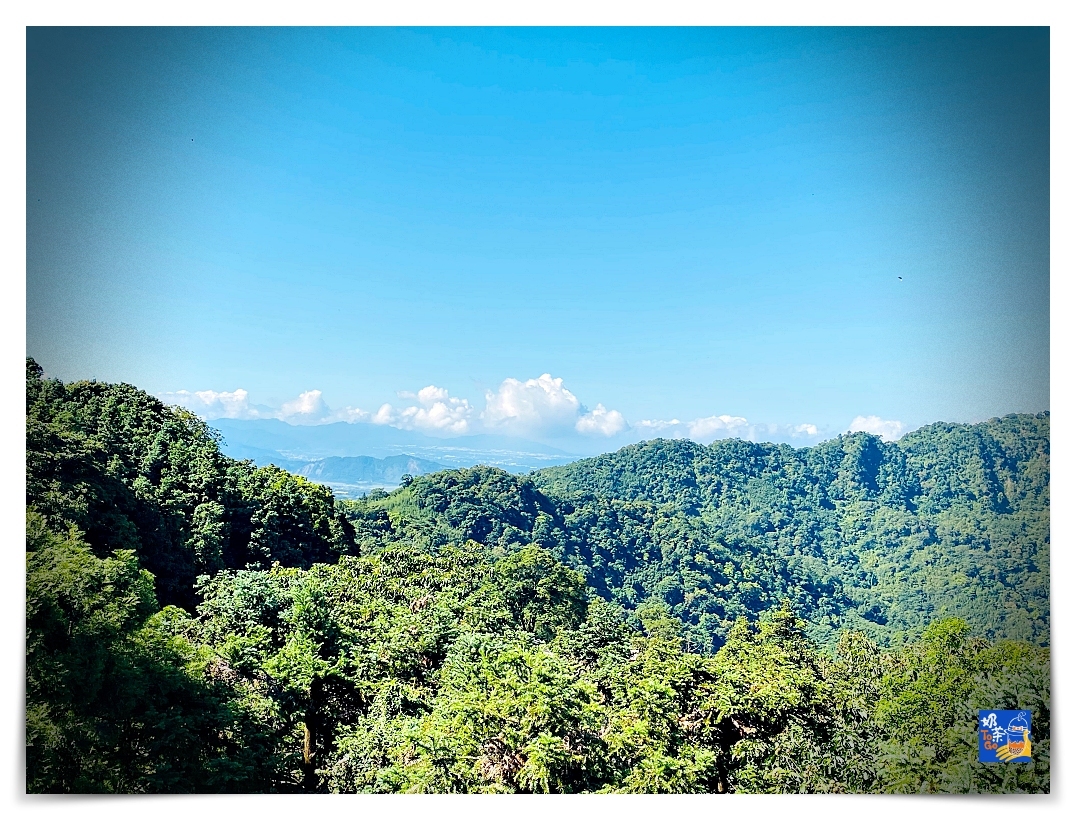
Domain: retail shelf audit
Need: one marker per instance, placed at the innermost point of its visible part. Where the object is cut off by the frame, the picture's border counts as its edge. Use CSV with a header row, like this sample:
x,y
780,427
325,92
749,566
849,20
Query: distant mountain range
x,y
351,476
355,458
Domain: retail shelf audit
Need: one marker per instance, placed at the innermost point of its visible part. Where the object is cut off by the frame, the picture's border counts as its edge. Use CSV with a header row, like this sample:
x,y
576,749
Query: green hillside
x,y
667,618
132,473
883,538
953,520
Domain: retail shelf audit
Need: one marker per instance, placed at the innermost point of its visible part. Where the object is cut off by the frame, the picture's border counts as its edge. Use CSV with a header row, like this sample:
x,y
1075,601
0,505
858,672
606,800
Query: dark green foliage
x,y
407,671
131,473
855,533
929,708
542,594
115,700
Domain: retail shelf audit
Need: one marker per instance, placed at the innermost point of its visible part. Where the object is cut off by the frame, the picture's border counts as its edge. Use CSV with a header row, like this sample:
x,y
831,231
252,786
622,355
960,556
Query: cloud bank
x,y
708,429
436,411
210,404
308,407
542,407
888,430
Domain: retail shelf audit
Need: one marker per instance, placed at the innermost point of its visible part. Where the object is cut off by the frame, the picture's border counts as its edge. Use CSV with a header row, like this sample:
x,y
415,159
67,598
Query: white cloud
x,y
703,430
711,428
436,410
715,427
351,415
791,433
656,425
534,406
210,404
431,395
601,422
384,415
307,406
888,430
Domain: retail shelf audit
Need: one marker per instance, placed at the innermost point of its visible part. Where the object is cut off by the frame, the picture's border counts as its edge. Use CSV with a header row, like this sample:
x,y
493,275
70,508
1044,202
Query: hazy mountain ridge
x,y
350,476
366,468
274,441
347,476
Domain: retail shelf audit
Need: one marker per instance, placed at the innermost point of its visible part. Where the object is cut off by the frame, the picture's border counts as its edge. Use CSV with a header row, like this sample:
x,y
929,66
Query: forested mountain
x,y
883,538
953,520
132,473
670,617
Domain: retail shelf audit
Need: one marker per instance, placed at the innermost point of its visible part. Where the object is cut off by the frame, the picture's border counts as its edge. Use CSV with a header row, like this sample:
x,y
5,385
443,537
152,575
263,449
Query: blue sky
x,y
576,235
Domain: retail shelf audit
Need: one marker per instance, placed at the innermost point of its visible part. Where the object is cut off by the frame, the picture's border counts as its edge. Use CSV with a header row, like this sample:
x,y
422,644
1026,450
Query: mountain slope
x,y
953,520
131,473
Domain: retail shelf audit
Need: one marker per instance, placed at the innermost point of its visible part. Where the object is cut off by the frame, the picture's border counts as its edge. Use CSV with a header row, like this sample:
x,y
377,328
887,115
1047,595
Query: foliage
x,y
668,618
929,709
858,534
134,474
115,700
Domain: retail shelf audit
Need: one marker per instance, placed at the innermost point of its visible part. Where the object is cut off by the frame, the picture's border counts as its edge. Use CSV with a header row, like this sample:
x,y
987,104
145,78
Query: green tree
x,y
929,707
115,701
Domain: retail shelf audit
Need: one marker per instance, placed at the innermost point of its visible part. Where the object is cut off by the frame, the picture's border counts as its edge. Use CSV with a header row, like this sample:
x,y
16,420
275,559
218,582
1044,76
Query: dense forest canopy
x,y
131,473
883,538
666,618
